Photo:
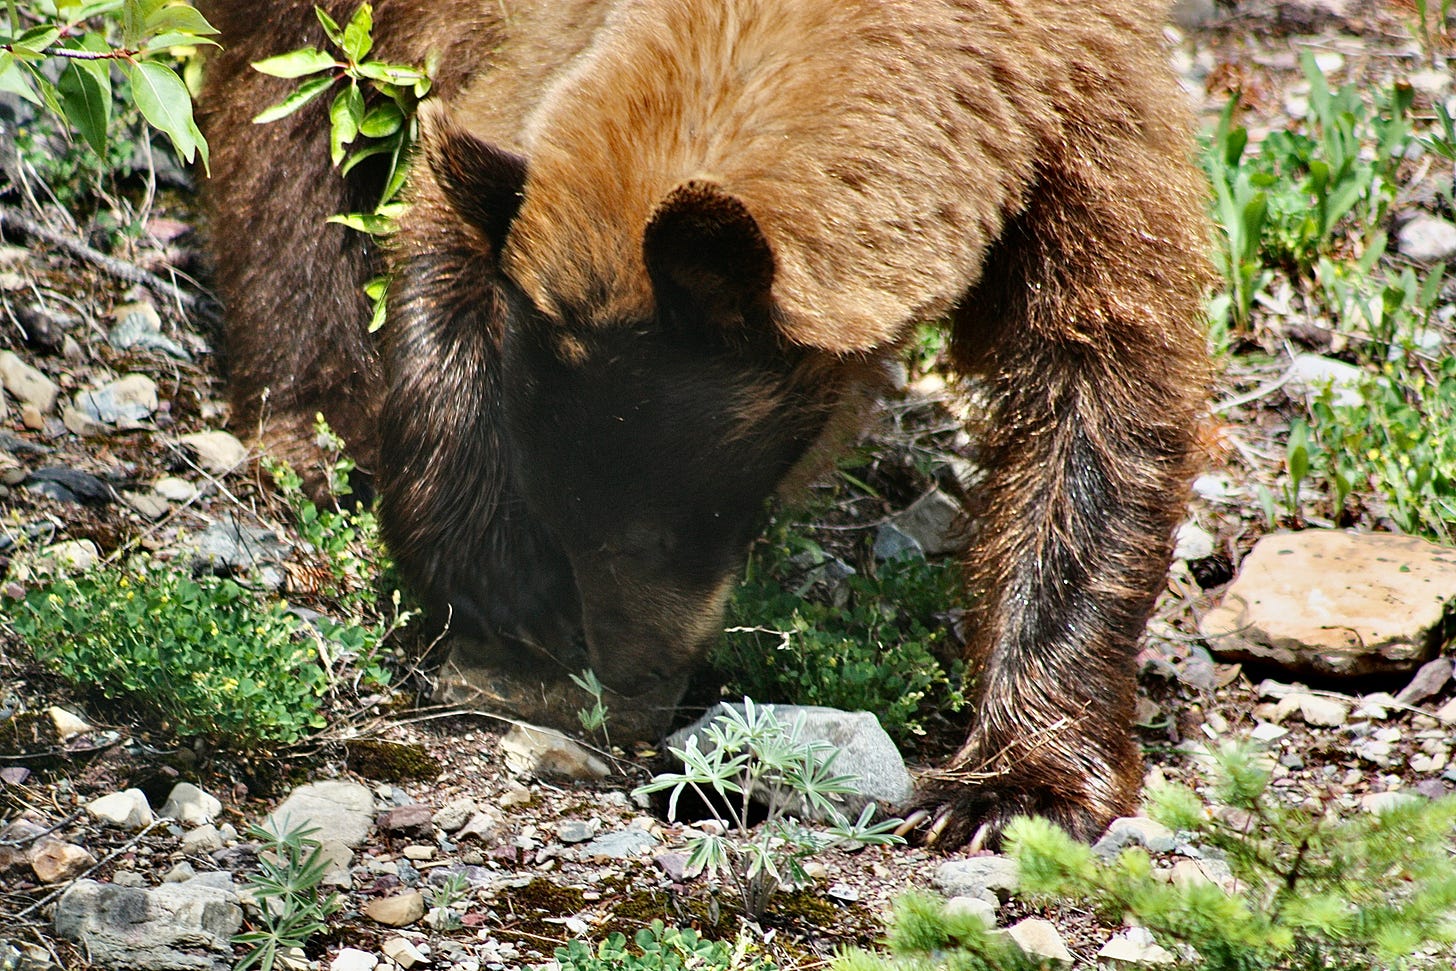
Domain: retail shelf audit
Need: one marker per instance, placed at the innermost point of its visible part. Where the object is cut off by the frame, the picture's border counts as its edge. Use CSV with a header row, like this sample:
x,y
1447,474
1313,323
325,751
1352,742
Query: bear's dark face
x,y
648,453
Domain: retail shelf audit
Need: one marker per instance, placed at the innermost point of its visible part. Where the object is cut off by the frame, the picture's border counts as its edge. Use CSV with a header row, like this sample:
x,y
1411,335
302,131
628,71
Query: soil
x,y
58,301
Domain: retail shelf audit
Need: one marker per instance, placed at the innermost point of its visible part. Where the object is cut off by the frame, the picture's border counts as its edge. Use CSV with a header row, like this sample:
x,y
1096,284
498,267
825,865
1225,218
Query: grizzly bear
x,y
657,253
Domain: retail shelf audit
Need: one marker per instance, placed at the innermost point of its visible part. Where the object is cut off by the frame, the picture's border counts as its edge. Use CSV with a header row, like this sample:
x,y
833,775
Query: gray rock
x,y
1134,946
26,384
202,840
865,751
128,810
454,814
173,489
1310,375
1040,939
215,452
129,399
1135,831
544,753
1335,603
65,558
1313,709
180,873
624,844
82,425
975,907
892,542
337,859
228,546
1190,14
931,522
140,328
146,504
1428,682
174,927
191,806
577,830
1427,239
978,876
353,959
337,810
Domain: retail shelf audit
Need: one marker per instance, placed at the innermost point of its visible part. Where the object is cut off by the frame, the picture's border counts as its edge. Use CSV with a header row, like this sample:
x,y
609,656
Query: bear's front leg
x,y
1084,332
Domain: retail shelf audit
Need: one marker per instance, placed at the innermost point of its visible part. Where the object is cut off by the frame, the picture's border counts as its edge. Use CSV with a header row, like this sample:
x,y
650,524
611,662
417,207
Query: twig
x,y
121,269
109,857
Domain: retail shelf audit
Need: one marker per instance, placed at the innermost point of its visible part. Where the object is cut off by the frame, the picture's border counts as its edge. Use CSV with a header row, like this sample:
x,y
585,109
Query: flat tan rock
x,y
1336,603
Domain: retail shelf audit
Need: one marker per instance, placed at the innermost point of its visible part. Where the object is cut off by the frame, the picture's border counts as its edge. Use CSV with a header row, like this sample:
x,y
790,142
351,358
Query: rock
x,y
174,927
27,385
1427,239
180,873
1429,679
69,485
1310,375
128,810
403,953
865,751
228,546
931,522
338,810
82,425
1335,603
190,806
418,852
482,826
892,542
146,504
545,753
1267,732
140,327
976,908
1446,714
412,818
1040,939
1135,831
129,399
624,844
1134,946
1192,542
67,724
454,814
216,452
66,558
54,861
1191,14
673,865
1313,710
400,910
1384,802
353,959
577,830
978,876
173,489
337,859
202,840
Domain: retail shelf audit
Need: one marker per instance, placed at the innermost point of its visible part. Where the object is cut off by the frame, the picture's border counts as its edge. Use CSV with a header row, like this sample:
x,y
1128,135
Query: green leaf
x,y
301,96
162,42
330,25
85,95
37,39
14,79
382,121
345,114
165,103
296,64
180,18
357,40
365,222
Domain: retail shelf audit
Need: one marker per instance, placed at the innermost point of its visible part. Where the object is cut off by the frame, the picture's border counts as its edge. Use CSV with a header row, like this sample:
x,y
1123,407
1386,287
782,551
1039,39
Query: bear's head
x,y
645,444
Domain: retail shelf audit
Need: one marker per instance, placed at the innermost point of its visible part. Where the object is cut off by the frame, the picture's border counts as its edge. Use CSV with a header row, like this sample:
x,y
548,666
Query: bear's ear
x,y
482,183
706,255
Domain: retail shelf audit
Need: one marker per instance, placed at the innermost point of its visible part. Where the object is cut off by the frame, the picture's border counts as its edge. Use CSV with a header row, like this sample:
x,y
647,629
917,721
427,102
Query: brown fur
x,y
810,178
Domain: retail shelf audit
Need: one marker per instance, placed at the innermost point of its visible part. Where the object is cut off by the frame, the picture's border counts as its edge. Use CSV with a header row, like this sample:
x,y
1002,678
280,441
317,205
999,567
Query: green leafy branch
x,y
89,36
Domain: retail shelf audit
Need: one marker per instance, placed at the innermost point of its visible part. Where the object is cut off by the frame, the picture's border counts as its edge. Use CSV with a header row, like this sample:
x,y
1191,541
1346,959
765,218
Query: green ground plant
x,y
202,657
868,644
925,935
752,755
659,948
288,889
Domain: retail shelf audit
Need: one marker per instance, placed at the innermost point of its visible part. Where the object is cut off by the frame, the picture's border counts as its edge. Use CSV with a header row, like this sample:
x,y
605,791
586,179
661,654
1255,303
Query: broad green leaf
x,y
365,222
330,25
15,80
296,64
382,121
37,39
162,42
86,99
360,154
178,17
345,114
164,102
301,96
401,74
357,40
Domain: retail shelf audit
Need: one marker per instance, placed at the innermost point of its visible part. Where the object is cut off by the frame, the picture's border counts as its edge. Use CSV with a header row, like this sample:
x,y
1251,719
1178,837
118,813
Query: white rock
x,y
1040,939
977,907
1135,831
335,809
1134,946
1192,542
1268,732
128,810
1427,239
1311,374
1384,802
173,489
216,452
978,876
542,752
202,840
128,399
931,522
353,959
26,384
67,724
402,952
190,806
1313,710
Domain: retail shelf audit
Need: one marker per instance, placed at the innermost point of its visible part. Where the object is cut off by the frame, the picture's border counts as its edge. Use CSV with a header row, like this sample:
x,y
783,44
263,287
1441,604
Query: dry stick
x,y
109,857
120,269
